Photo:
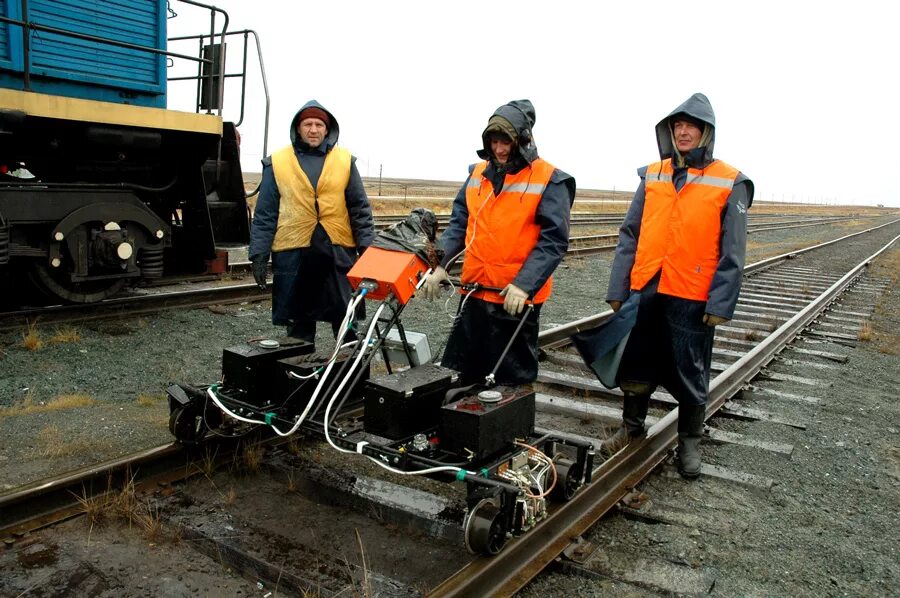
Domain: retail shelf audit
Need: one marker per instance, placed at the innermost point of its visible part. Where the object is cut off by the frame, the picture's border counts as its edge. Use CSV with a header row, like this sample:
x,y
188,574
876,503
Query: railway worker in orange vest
x,y
511,218
682,247
314,217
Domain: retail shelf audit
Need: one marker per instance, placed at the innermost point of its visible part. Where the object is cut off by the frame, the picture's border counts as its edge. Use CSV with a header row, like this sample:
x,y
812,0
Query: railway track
x,y
134,305
772,285
143,303
592,244
780,300
579,220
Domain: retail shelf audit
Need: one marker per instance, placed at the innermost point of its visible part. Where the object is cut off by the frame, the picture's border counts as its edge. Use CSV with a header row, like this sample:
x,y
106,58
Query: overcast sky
x,y
805,93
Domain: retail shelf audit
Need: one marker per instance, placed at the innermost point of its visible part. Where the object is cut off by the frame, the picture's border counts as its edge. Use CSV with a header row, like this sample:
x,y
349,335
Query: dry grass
x,y
366,585
97,509
252,457
31,338
616,445
208,463
68,334
886,338
28,406
389,207
123,505
887,265
230,496
865,332
52,443
294,446
145,400
751,335
292,482
148,519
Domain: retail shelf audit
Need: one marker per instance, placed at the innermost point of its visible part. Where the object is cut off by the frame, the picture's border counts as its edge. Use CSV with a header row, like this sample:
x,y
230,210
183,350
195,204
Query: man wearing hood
x,y
682,247
314,217
511,218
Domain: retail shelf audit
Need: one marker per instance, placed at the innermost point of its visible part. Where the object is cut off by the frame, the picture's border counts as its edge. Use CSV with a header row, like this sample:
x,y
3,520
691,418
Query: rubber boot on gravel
x,y
634,412
690,431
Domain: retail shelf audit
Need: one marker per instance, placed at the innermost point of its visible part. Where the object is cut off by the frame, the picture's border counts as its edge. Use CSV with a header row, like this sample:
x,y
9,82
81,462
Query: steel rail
x,y
525,557
50,501
132,306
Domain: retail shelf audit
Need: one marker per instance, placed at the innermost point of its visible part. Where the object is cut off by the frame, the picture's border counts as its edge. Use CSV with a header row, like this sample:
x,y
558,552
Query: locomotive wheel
x,y
54,283
568,479
485,531
186,423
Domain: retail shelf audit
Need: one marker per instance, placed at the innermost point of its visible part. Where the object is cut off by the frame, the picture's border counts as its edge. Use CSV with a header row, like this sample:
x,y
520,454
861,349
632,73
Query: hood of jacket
x,y
520,114
334,130
697,106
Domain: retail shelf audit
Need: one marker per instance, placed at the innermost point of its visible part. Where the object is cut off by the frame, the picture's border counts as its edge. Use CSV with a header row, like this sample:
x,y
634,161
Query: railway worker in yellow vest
x,y
314,217
511,218
682,247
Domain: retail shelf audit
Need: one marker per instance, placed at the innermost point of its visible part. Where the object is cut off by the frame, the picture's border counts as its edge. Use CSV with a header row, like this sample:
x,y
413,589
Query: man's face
x,y
501,146
687,135
312,131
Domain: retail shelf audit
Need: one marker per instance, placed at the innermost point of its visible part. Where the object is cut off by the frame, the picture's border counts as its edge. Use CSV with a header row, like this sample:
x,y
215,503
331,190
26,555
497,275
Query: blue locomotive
x,y
101,185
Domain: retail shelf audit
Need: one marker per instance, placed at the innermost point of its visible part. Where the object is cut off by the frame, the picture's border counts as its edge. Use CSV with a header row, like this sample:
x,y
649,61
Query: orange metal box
x,y
394,272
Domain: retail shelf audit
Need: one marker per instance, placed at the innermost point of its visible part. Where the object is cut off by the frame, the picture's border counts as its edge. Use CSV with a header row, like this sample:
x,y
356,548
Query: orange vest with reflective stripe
x,y
301,207
501,231
680,230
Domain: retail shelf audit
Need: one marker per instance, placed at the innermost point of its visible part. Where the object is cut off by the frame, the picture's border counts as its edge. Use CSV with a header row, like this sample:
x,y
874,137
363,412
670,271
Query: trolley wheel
x,y
186,423
485,530
568,480
55,284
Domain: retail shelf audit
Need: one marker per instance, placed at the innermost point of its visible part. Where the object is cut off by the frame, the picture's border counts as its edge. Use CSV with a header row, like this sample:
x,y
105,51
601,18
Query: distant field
x,y
399,196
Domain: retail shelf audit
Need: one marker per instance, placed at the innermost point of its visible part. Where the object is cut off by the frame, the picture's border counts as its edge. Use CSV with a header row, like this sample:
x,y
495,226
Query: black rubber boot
x,y
634,412
304,330
690,431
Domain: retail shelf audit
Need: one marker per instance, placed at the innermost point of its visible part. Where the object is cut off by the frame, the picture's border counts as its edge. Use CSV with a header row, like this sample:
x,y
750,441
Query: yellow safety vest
x,y
297,213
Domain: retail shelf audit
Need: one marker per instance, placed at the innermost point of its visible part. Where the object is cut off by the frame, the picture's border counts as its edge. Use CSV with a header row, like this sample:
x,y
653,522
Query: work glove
x,y
711,320
431,290
615,305
259,268
513,299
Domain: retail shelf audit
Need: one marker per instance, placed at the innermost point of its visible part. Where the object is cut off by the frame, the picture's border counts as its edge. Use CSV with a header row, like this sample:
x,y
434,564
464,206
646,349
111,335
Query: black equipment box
x,y
294,389
253,367
487,421
404,403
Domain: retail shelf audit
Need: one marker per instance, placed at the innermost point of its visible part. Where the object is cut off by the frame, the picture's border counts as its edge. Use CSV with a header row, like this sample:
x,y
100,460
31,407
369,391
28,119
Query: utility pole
x,y
380,166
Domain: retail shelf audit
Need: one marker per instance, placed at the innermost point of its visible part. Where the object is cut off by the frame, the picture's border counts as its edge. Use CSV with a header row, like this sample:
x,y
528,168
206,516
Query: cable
x,y
541,456
345,326
364,344
212,389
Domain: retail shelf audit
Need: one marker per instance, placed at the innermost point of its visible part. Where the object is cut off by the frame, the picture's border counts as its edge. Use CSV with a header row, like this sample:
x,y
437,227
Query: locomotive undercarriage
x,y
86,210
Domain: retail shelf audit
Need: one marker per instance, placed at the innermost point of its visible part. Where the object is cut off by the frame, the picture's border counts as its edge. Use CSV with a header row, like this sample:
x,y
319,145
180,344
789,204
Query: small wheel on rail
x,y
484,529
186,423
568,480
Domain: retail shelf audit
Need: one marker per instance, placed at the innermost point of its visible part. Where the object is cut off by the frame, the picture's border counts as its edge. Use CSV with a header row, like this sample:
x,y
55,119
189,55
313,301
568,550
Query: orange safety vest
x,y
301,207
502,231
680,230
